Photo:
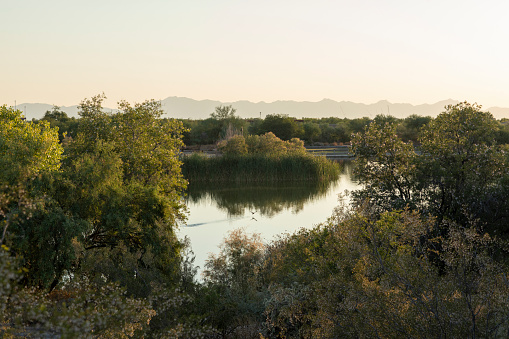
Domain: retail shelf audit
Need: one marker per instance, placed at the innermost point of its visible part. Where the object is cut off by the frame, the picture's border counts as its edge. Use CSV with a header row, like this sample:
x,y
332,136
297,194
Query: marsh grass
x,y
259,168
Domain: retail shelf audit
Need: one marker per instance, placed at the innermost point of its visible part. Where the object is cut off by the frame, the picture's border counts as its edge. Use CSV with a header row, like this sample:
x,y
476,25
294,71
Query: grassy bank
x,y
259,168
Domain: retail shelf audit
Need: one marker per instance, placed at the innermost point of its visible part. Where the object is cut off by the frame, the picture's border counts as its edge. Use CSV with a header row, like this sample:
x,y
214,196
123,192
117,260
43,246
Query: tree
x,y
457,175
409,128
227,122
66,126
118,194
31,223
223,112
461,167
26,149
123,172
385,165
282,126
311,132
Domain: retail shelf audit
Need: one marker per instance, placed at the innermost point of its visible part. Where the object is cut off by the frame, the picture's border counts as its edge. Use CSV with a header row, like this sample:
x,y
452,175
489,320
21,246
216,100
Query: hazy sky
x,y
59,52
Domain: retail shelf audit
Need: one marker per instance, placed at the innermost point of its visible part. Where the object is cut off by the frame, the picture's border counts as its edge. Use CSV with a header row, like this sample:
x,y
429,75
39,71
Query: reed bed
x,y
259,168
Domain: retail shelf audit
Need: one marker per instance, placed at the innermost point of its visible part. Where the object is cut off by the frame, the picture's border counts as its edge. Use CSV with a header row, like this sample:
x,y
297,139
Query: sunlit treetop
x,y
26,148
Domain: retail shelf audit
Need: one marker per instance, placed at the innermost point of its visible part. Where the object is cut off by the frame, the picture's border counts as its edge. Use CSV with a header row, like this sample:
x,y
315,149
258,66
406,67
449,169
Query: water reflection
x,y
235,199
269,210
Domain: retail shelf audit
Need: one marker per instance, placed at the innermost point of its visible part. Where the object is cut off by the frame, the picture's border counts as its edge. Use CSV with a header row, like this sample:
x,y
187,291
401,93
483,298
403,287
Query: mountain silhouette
x,y
186,108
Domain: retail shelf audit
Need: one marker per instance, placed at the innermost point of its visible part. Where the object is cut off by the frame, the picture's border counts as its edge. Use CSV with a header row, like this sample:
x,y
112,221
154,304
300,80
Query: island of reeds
x,y
264,158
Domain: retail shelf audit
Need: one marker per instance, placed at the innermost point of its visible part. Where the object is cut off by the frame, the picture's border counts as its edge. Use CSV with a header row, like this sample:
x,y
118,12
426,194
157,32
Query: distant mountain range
x,y
185,108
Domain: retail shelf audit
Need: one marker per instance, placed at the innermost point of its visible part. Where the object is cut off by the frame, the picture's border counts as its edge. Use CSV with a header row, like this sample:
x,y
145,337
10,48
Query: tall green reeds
x,y
259,168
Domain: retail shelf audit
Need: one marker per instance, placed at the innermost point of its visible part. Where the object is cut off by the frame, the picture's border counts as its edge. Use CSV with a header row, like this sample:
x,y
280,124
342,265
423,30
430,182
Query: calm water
x,y
269,210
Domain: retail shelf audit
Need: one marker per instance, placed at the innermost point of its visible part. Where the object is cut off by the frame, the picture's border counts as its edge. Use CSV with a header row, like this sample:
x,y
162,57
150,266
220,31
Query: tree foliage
x,y
457,173
282,126
26,149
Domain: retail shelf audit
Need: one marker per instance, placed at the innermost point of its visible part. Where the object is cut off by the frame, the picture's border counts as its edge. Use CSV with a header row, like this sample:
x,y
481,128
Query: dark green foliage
x,y
312,132
382,119
46,241
67,126
325,130
461,163
502,132
386,165
203,132
408,129
457,174
123,177
282,126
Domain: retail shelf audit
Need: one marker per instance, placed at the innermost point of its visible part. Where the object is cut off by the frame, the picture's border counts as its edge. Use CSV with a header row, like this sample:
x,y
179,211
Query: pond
x,y
270,210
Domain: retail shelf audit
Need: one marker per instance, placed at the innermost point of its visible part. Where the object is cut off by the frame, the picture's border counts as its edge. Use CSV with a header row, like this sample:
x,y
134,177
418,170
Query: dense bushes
x,y
362,274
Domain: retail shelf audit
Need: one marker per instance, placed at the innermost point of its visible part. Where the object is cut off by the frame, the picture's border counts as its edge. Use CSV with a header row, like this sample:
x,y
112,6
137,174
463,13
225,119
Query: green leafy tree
x,y
223,112
126,182
458,174
502,133
66,126
34,228
385,165
358,125
461,163
119,188
409,128
282,126
26,149
206,131
312,132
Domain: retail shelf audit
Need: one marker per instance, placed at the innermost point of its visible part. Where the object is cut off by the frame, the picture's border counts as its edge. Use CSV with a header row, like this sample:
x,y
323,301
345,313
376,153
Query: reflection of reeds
x,y
264,199
256,168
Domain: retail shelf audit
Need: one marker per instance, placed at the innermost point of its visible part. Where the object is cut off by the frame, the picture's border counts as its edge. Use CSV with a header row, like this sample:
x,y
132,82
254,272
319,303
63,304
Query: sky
x,y
60,52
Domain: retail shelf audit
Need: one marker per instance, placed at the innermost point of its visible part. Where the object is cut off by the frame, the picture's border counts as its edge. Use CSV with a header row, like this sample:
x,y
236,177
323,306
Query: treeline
x,y
330,130
89,246
223,123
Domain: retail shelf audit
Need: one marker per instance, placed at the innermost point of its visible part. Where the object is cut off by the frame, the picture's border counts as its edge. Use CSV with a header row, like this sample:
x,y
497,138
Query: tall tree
x,y
385,166
460,163
124,168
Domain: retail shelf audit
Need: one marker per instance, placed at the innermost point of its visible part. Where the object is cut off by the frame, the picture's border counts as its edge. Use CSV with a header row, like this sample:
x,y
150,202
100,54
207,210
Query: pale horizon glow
x,y
60,52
